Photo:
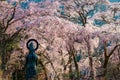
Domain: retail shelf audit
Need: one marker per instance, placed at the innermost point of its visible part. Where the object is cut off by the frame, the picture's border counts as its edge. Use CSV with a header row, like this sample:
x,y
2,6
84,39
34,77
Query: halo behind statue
x,y
32,40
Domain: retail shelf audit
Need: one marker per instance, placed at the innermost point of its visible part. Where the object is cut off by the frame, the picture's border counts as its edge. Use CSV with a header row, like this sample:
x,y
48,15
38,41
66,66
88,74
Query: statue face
x,y
31,47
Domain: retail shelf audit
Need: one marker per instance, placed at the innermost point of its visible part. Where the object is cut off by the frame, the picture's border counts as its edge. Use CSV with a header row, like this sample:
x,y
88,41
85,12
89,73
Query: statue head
x,y
31,47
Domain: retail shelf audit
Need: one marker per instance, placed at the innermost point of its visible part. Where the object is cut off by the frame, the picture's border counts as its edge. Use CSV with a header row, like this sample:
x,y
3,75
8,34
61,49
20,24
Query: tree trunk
x,y
105,65
91,65
76,67
5,56
70,69
91,68
3,59
105,68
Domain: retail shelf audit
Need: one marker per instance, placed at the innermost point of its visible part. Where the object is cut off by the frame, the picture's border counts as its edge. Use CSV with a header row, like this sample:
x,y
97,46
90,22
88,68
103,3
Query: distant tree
x,y
85,37
108,45
78,11
93,11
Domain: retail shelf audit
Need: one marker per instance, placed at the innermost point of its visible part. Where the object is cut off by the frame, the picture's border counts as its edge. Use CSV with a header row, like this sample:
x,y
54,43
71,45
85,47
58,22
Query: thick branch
x,y
11,18
113,50
21,18
77,2
105,49
83,17
11,38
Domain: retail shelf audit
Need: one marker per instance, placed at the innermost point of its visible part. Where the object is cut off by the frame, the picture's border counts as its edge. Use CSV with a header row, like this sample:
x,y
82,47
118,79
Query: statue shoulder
x,y
36,55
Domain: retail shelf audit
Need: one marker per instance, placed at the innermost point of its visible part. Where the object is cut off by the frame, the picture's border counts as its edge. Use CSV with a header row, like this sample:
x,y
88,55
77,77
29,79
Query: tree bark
x,y
91,66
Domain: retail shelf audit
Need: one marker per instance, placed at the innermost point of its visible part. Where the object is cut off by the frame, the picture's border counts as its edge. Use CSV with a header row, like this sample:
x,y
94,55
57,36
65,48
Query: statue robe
x,y
31,63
